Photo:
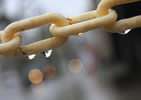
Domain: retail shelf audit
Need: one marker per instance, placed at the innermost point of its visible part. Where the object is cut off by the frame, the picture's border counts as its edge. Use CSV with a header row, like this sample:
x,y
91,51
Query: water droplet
x,y
80,34
125,32
31,56
47,54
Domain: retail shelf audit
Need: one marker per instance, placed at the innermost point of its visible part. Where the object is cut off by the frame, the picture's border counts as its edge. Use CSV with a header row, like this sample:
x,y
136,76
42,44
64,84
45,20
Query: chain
x,y
62,28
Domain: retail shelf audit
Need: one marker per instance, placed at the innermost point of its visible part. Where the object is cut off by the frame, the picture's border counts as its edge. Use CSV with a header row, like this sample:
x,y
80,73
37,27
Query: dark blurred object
x,y
127,48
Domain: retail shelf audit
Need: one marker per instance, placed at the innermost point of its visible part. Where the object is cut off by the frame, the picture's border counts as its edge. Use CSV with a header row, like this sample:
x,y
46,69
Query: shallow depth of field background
x,y
95,66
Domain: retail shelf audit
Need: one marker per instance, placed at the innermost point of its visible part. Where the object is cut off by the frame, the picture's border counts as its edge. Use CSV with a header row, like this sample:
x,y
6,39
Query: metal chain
x,y
62,28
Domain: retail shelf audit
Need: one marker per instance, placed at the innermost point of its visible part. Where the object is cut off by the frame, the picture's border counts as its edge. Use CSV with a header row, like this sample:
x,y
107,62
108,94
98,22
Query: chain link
x,y
62,28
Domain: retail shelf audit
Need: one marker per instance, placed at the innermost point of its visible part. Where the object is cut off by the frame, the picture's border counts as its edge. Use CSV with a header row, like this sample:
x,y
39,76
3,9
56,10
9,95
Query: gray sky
x,y
65,7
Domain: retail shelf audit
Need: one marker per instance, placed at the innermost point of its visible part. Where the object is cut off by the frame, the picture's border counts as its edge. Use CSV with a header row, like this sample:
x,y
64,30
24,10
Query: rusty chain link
x,y
62,28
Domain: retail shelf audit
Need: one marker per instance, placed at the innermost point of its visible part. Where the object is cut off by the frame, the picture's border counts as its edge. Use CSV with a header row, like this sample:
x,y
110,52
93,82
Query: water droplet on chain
x,y
125,32
32,56
48,53
80,34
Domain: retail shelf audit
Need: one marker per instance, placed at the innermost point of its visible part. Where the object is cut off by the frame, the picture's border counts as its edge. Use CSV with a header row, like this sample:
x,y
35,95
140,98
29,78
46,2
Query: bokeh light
x,y
49,72
75,65
35,76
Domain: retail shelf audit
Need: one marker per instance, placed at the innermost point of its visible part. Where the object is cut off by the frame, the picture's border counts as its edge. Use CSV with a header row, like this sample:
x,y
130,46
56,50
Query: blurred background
x,y
96,66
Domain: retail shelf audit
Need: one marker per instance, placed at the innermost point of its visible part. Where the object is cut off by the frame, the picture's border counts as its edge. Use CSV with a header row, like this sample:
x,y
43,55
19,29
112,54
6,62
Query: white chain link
x,y
62,28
